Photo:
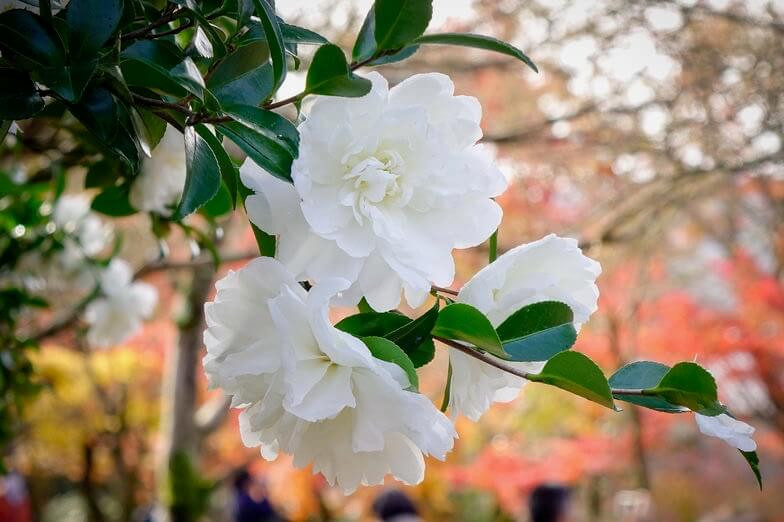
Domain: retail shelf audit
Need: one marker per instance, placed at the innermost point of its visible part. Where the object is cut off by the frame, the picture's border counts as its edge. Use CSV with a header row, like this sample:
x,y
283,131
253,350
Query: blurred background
x,y
652,133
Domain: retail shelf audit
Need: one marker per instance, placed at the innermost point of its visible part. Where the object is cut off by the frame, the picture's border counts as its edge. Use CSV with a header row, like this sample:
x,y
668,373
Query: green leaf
x,y
393,57
576,373
68,81
24,36
271,155
365,46
266,242
386,350
538,331
414,337
155,127
476,41
160,65
203,171
300,35
274,38
267,123
19,99
462,322
228,171
109,121
689,384
641,375
113,201
220,204
90,25
398,22
250,88
753,460
371,323
103,173
239,63
364,306
329,74
216,47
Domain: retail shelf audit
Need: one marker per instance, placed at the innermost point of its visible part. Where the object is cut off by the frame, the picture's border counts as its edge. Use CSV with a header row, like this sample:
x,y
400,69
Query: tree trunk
x,y
178,405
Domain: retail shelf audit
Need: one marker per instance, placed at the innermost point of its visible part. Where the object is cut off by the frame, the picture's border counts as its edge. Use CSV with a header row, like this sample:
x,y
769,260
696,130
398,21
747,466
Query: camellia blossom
x,y
311,390
550,269
118,314
72,214
385,187
732,431
161,179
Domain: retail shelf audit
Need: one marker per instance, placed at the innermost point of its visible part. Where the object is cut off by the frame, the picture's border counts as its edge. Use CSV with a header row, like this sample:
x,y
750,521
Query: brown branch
x,y
144,31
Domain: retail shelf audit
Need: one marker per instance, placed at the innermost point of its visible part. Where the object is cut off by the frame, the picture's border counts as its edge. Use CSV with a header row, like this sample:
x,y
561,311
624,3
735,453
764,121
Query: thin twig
x,y
144,31
152,102
443,290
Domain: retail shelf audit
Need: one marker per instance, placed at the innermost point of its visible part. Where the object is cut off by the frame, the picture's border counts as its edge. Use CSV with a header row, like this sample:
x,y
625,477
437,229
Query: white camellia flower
x,y
161,179
72,214
732,431
385,187
118,314
313,391
550,269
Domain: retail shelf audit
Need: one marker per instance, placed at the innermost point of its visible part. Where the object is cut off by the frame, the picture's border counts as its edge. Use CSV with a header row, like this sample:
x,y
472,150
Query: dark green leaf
x,y
160,66
220,204
364,306
386,350
689,384
266,242
216,47
110,122
19,99
68,81
398,22
274,39
330,75
271,155
228,171
372,323
414,337
90,24
538,331
365,46
642,375
576,373
102,173
155,126
753,460
23,35
267,123
462,322
203,171
113,201
477,41
300,35
251,88
399,56
239,63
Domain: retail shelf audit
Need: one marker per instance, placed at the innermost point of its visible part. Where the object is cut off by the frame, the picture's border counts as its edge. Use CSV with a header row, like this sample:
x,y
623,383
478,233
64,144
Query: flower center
x,y
372,181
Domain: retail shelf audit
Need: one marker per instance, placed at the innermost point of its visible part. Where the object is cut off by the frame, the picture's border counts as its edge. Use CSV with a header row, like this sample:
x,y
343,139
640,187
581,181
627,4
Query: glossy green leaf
x,y
689,384
25,37
576,373
216,47
270,154
372,323
538,331
155,127
267,123
220,204
329,74
103,173
300,35
386,350
274,39
228,171
203,171
398,22
462,322
476,41
415,339
113,201
365,45
641,375
753,461
109,121
90,25
239,63
250,88
19,99
159,65
68,81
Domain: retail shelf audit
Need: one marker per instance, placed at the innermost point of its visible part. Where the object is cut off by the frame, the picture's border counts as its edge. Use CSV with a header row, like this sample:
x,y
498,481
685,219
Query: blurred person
x,y
250,500
550,503
392,505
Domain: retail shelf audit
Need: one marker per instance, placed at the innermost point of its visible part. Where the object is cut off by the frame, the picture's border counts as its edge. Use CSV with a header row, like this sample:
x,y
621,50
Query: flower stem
x,y
493,246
